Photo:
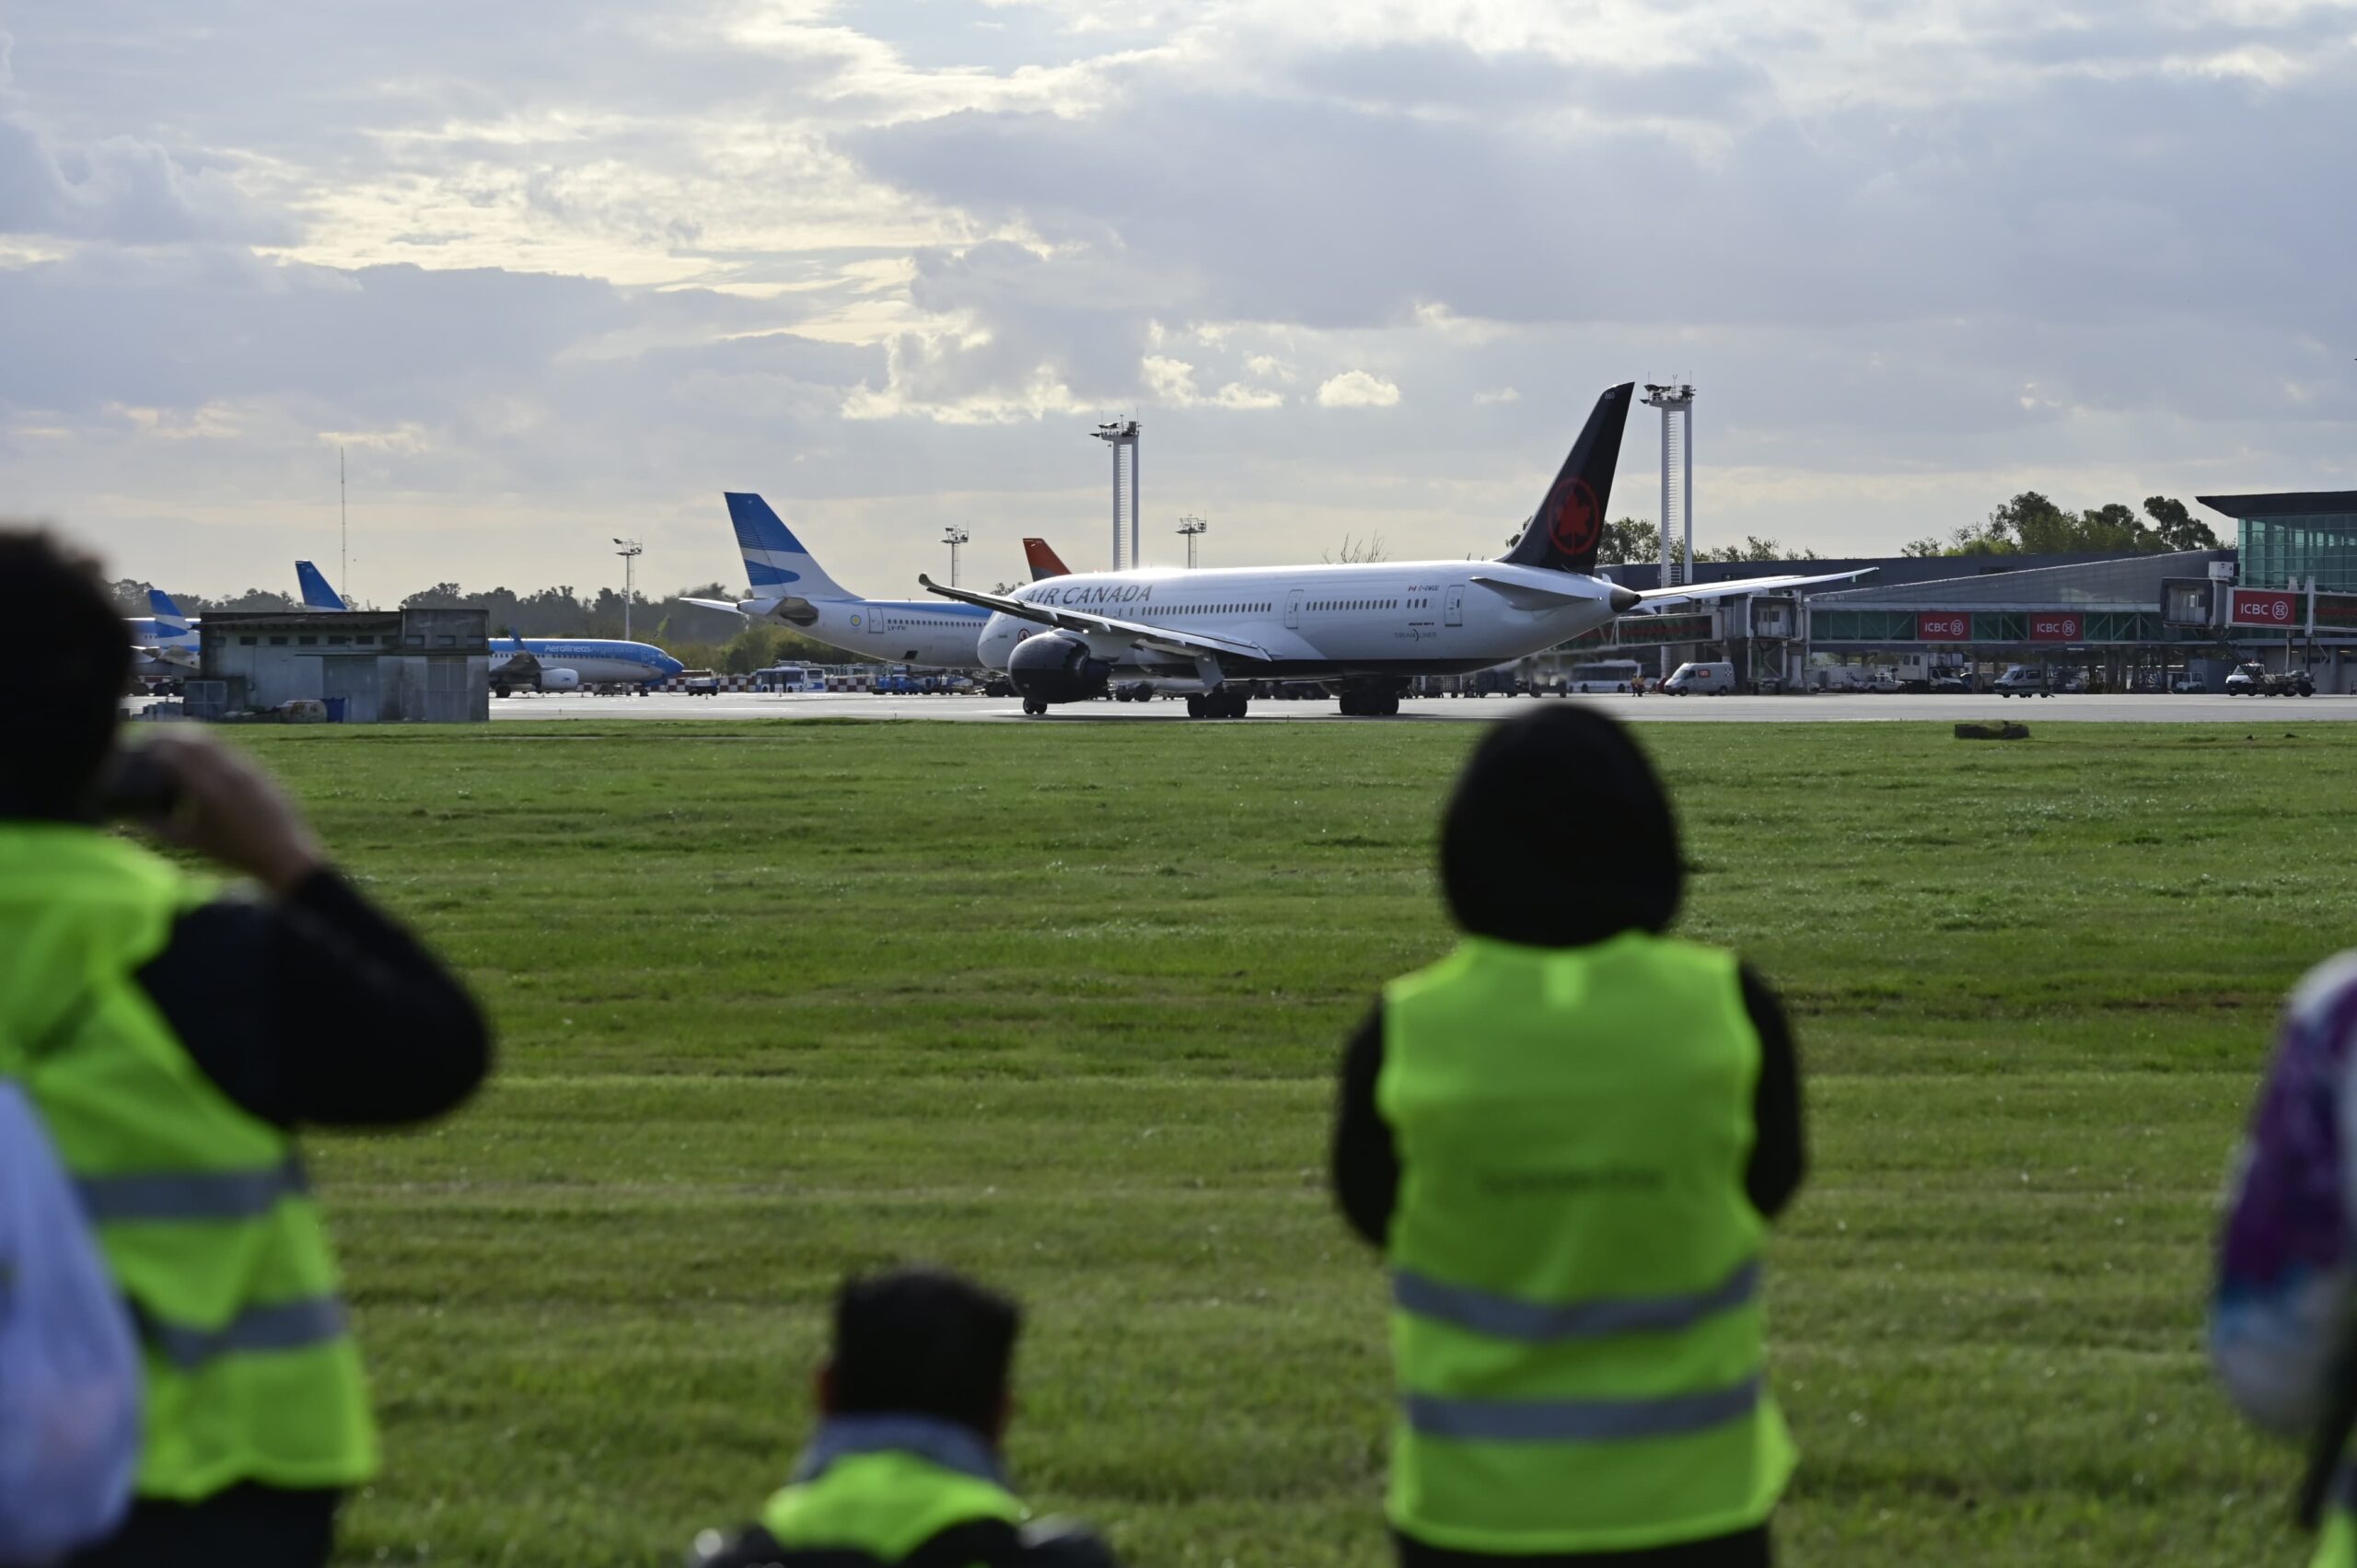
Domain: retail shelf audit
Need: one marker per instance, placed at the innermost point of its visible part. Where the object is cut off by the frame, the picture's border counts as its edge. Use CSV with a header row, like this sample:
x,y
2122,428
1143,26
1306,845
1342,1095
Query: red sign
x,y
1942,626
2068,626
2336,609
2249,608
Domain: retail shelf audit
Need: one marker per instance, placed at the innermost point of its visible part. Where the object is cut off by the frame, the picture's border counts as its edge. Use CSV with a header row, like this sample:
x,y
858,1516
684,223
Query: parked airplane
x,y
789,586
1364,630
567,664
317,595
163,644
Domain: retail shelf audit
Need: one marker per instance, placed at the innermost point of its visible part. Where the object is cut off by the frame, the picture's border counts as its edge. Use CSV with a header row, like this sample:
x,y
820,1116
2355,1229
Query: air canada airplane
x,y
1364,630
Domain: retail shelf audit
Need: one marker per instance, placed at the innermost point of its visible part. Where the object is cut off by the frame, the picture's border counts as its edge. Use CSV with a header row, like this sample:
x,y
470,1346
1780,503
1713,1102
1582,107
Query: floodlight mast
x,y
1123,438
1677,404
629,552
953,537
1192,528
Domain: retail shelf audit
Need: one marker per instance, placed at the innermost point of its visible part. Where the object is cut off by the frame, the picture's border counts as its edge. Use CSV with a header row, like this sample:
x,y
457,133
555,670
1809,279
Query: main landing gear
x,y
1359,704
1034,707
1220,703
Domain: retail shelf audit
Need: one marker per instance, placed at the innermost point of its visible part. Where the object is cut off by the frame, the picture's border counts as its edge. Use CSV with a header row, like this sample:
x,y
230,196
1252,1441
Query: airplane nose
x,y
669,666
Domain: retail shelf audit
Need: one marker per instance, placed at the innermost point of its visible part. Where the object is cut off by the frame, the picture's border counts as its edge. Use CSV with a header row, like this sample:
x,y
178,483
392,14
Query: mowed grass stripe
x,y
1061,1003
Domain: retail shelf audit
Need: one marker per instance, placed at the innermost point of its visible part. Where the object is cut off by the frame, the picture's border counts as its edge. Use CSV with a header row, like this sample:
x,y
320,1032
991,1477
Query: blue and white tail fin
x,y
776,566
317,595
169,622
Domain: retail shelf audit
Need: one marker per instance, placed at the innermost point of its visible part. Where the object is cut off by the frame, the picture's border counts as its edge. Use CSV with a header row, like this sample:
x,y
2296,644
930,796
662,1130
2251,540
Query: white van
x,y
1603,675
1715,679
1837,677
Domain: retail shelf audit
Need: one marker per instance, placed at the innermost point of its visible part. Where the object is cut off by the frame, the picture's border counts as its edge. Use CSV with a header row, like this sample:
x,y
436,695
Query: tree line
x,y
2029,524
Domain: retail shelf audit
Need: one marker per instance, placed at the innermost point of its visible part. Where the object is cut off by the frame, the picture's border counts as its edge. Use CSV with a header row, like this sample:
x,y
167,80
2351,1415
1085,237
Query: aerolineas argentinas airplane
x,y
1364,630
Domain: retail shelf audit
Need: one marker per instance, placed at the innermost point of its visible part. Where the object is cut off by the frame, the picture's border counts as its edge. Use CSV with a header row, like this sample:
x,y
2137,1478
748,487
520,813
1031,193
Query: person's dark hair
x,y
1559,834
923,1341
61,723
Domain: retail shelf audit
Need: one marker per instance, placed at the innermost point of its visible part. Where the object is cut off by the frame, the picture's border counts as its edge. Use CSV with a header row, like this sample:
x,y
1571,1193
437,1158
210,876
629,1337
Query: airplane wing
x,y
1744,586
730,604
167,653
1188,645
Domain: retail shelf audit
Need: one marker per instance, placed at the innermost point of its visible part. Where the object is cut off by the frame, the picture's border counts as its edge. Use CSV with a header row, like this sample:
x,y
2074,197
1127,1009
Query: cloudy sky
x,y
552,273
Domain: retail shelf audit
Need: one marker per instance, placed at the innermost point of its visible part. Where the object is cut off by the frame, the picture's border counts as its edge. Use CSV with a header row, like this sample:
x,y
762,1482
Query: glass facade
x,y
2284,552
1988,626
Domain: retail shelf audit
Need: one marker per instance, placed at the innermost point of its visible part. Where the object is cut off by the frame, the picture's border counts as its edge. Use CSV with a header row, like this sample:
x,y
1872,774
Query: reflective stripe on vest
x,y
1578,1421
283,1326
1574,1262
199,1208
190,1195
1485,1312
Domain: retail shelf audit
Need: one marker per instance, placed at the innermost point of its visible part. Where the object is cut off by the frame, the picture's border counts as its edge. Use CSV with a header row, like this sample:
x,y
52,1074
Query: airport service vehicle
x,y
2185,684
1950,681
1883,682
567,664
785,583
2252,678
1366,629
2023,680
1836,678
1598,675
1711,679
788,678
699,683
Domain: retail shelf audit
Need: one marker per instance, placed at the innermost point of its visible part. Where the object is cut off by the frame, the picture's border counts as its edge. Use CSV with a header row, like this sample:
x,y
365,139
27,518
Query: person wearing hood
x,y
1568,1137
173,1034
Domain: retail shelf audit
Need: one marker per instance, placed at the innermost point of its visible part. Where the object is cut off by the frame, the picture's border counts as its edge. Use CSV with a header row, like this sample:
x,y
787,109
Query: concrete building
x,y
369,666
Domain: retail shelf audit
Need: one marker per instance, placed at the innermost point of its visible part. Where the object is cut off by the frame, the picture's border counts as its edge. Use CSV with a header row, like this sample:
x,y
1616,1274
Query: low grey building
x,y
369,667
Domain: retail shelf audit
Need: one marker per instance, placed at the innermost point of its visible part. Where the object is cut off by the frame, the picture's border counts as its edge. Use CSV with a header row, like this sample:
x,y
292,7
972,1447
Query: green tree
x,y
1629,541
2178,528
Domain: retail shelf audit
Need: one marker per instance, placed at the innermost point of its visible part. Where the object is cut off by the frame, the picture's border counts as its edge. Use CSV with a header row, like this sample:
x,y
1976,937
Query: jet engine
x,y
560,679
1056,670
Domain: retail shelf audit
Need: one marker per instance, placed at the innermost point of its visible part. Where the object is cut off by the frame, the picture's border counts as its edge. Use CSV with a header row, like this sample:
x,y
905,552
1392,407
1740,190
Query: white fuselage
x,y
1325,622
935,633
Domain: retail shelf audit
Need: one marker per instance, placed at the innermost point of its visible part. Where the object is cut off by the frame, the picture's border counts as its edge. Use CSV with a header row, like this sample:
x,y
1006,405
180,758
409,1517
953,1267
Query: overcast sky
x,y
553,272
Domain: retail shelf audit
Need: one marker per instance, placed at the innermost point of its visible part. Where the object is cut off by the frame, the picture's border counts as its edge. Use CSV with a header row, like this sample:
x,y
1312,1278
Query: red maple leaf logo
x,y
1578,521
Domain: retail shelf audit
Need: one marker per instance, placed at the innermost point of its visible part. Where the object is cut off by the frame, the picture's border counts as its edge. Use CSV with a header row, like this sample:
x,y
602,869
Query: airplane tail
x,y
1564,531
776,565
317,595
1044,560
168,619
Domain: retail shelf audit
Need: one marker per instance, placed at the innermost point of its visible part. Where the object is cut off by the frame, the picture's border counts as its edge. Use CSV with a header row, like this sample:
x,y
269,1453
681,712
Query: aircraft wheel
x,y
1391,706
1033,707
1195,706
1236,707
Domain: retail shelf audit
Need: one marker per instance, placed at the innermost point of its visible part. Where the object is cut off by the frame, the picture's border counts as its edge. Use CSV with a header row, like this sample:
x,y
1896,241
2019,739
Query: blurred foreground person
x,y
1568,1137
2286,1296
904,1468
172,1037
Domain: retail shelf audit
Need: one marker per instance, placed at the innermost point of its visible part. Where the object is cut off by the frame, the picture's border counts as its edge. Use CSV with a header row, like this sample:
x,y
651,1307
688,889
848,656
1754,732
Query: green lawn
x,y
1058,1005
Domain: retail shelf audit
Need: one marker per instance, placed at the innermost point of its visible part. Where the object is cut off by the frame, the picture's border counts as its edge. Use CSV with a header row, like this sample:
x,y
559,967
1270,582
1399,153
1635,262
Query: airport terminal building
x,y
2285,594
364,667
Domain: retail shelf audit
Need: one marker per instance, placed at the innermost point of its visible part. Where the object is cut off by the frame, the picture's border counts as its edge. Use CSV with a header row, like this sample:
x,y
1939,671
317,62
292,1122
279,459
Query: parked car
x,y
1950,681
700,683
2188,683
1715,678
1884,680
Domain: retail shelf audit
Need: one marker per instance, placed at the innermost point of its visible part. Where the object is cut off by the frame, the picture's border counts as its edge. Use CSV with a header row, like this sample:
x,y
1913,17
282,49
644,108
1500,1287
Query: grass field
x,y
1059,1005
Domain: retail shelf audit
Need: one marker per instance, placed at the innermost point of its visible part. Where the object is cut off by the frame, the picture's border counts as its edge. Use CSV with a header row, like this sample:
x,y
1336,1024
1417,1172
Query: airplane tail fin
x,y
168,619
317,595
1045,563
776,565
1568,526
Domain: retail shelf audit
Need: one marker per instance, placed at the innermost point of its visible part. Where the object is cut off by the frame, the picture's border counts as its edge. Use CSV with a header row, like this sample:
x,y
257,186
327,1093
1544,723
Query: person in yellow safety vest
x,y
904,1468
173,1037
1568,1137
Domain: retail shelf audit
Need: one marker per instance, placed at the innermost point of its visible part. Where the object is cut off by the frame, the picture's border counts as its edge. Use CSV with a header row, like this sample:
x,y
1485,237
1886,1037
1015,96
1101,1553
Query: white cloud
x,y
1496,395
1356,388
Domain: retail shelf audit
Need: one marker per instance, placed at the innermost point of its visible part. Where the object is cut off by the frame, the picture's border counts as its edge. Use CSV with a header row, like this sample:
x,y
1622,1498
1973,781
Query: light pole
x,y
953,537
629,552
1192,526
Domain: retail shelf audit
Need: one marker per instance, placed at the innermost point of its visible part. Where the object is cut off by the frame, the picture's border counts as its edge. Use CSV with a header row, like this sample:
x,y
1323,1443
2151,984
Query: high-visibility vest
x,y
199,1208
884,1505
1575,1261
2337,1541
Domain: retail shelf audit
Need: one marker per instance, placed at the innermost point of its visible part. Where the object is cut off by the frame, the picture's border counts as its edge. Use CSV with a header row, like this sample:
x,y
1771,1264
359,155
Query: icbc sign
x,y
1942,626
2063,628
2252,608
